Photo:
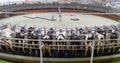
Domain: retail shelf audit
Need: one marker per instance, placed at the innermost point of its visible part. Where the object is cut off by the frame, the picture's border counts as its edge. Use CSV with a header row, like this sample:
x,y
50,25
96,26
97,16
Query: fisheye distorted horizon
x,y
61,0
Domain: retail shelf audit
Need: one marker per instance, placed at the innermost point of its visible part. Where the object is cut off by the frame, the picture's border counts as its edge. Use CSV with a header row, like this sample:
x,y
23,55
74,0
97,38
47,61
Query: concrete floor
x,y
35,19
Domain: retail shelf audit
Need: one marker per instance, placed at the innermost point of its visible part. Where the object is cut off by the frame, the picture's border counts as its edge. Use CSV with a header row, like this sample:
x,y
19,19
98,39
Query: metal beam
x,y
41,54
92,54
118,13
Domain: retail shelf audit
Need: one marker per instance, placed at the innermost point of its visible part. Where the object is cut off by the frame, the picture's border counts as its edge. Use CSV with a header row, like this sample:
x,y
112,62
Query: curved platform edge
x,y
17,58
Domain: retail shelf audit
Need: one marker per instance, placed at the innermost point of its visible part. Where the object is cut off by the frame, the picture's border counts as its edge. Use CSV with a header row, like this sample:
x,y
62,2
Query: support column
x,y
60,16
92,54
40,47
68,38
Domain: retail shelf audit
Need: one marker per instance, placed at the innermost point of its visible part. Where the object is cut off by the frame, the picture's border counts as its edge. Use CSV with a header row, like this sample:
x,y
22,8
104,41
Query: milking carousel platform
x,y
26,59
23,51
32,41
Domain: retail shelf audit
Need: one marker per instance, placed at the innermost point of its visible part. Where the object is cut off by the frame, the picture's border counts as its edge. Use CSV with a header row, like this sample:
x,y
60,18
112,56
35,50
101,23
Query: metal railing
x,y
80,46
59,45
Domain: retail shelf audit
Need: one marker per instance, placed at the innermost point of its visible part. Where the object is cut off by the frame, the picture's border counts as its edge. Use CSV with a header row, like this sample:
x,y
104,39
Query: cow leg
x,y
86,49
113,46
49,50
110,47
10,44
31,46
6,46
103,47
90,44
1,44
36,53
98,47
30,50
0,48
23,46
73,49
